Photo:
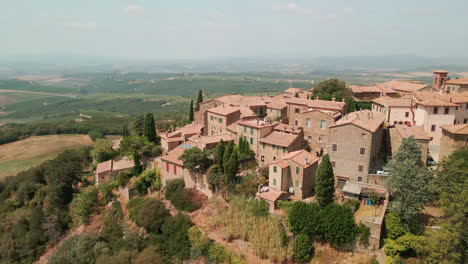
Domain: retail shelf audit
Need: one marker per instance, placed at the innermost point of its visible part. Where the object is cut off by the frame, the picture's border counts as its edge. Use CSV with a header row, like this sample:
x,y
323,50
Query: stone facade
x,y
278,144
453,138
219,118
400,132
354,145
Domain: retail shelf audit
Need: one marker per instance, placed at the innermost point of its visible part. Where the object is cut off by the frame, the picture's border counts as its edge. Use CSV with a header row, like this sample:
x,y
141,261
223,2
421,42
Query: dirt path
x,y
24,91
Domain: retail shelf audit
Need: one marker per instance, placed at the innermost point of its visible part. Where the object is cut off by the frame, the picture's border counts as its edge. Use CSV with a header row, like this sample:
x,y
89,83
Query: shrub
x,y
353,204
181,198
134,206
200,242
122,178
305,218
83,204
148,179
394,225
80,249
258,207
364,233
175,236
95,134
106,194
400,246
147,256
152,215
303,249
337,224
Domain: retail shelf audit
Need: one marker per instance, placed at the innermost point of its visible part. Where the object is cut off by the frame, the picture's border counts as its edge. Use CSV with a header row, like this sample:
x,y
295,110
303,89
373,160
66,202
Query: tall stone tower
x,y
440,77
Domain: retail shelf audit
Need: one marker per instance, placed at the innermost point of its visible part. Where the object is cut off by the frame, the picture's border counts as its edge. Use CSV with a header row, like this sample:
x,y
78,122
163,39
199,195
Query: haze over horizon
x,y
211,29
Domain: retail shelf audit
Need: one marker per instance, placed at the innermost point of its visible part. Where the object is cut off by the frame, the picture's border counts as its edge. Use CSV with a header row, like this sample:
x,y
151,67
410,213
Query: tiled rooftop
x,y
365,119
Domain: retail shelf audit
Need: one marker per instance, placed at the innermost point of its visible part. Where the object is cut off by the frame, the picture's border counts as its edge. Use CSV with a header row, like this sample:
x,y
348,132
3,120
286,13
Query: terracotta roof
x,y
288,128
416,131
223,110
104,166
300,157
277,105
280,139
316,103
241,100
246,112
122,164
427,98
270,195
173,155
282,163
232,127
257,123
202,141
393,102
440,71
460,129
457,81
405,86
334,114
364,119
351,187
378,88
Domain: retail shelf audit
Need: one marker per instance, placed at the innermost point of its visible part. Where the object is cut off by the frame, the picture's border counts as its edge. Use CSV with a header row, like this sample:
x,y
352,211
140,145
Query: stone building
x,y
456,85
298,105
280,142
170,140
395,110
253,130
400,132
354,145
315,124
453,138
371,92
292,176
106,171
219,118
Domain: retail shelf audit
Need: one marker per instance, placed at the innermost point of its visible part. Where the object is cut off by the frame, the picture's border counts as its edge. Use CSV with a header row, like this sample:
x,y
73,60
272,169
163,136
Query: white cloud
x,y
294,8
81,25
134,10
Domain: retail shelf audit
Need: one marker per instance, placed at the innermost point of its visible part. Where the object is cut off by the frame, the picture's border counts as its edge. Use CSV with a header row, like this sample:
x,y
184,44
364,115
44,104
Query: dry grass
x,y
21,155
263,232
367,211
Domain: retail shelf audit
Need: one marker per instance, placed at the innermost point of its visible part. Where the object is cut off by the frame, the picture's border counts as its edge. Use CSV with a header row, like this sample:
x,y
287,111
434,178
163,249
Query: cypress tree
x,y
125,130
219,152
199,100
325,182
227,154
149,128
138,125
191,111
233,166
241,144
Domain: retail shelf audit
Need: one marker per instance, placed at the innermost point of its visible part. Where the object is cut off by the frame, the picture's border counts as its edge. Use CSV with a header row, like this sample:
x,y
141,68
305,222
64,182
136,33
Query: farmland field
x,y
21,155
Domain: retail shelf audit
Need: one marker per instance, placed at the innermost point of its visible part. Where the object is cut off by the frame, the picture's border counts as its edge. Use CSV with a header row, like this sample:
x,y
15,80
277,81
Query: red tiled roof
x,y
104,166
270,195
282,163
257,123
433,99
288,128
279,105
405,86
364,119
457,81
316,103
173,156
122,164
224,110
280,139
416,131
202,141
393,102
460,129
300,157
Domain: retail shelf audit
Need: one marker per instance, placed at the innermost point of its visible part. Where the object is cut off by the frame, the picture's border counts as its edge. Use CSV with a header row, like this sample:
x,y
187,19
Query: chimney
x,y
306,160
333,99
342,100
316,97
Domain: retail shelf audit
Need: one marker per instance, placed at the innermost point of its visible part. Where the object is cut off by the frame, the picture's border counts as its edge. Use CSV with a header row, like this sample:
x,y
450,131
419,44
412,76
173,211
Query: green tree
x,y
303,249
138,125
149,130
199,100
191,112
125,132
80,249
408,181
95,134
394,225
233,166
241,144
83,204
448,244
337,224
332,88
148,179
152,215
102,150
219,153
195,158
175,237
149,255
325,182
227,154
135,147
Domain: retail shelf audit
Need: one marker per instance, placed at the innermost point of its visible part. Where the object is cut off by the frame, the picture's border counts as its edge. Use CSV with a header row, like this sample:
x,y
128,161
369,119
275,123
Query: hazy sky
x,y
233,28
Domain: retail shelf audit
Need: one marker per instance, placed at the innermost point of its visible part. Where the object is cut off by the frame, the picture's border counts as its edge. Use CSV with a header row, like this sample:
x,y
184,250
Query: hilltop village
x,y
290,140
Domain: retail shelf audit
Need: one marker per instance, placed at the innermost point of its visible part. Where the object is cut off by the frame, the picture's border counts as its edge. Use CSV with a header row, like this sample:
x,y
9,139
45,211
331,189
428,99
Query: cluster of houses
x,y
281,127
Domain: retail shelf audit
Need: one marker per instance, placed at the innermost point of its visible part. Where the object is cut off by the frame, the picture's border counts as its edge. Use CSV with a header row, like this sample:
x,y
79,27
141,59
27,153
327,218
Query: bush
x,y
303,249
133,207
148,179
394,225
304,218
122,178
364,233
353,204
181,198
175,236
199,241
80,249
337,224
83,204
95,134
152,215
400,246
